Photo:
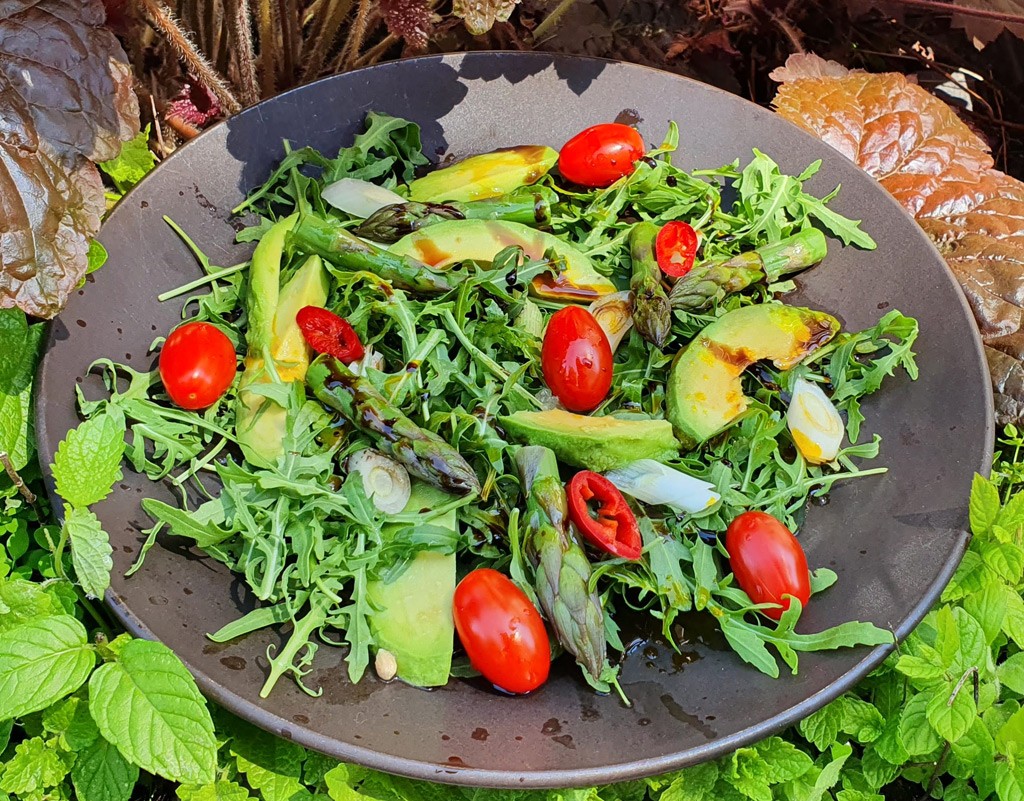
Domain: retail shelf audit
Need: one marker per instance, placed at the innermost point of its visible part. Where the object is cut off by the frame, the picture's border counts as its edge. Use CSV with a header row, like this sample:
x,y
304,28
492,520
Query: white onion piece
x,y
371,359
614,313
359,198
385,481
814,422
654,483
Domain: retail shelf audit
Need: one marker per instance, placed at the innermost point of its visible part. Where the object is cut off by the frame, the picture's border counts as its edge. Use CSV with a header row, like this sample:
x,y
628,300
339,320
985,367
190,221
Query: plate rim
x,y
560,778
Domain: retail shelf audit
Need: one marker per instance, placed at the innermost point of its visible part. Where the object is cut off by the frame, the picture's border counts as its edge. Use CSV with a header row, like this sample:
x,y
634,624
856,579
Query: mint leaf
x,y
877,770
132,164
34,767
71,721
693,784
87,463
1010,781
890,745
1011,673
974,650
918,667
989,609
148,705
22,601
829,775
19,350
102,774
1013,621
860,719
822,727
947,640
271,765
41,662
951,716
1011,516
916,734
1005,559
976,747
984,505
783,761
216,791
1011,732
97,256
90,550
858,795
959,791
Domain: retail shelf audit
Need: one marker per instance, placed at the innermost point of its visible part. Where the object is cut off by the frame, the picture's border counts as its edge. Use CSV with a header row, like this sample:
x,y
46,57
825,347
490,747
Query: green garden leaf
x,y
22,601
90,550
917,667
271,765
877,771
822,726
783,761
1011,673
19,350
951,716
1013,621
976,747
947,641
916,734
41,662
35,766
989,609
133,163
693,784
1005,559
97,256
890,744
973,644
148,705
959,791
215,791
1010,781
984,505
71,721
102,774
860,719
829,775
1012,732
87,463
858,795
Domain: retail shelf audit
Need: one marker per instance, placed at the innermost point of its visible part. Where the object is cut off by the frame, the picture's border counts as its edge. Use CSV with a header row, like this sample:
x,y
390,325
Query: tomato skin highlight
x,y
576,359
601,154
613,529
197,365
767,561
676,248
502,632
326,332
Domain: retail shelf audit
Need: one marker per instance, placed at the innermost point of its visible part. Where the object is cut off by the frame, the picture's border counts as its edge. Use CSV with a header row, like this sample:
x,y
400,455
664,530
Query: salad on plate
x,y
463,420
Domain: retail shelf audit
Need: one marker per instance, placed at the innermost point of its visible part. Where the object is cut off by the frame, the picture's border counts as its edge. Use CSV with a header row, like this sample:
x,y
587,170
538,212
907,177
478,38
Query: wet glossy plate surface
x,y
893,540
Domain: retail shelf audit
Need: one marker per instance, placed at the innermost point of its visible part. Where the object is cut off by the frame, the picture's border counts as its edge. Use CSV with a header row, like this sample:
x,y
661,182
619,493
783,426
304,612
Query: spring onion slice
x,y
359,198
814,423
385,481
654,483
614,313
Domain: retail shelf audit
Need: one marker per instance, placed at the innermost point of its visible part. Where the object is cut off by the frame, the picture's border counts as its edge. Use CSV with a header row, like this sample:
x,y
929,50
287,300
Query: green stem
x,y
206,279
284,662
815,482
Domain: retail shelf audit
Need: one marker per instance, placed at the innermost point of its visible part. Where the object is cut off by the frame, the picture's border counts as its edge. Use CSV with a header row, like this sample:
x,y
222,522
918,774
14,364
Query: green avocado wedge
x,y
486,175
594,443
447,243
704,394
412,614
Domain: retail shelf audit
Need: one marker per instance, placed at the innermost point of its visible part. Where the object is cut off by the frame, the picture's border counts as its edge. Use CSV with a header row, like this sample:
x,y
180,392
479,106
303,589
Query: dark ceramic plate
x,y
893,540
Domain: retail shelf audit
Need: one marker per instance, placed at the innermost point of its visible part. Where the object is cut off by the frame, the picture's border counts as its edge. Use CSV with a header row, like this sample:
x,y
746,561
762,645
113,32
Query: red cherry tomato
x,y
197,365
676,248
576,358
767,561
601,154
502,632
602,515
326,332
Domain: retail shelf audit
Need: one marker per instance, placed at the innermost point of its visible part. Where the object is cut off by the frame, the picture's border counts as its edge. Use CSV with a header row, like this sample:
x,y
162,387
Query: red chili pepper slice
x,y
676,248
326,332
603,516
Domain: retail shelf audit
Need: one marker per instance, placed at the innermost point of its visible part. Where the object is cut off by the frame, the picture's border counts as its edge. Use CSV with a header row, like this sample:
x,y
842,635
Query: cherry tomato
x,y
602,515
767,561
576,358
676,248
326,332
197,365
502,632
601,154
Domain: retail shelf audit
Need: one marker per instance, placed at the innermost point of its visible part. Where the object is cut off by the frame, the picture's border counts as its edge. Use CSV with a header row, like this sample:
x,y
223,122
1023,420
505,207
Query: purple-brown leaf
x,y
66,100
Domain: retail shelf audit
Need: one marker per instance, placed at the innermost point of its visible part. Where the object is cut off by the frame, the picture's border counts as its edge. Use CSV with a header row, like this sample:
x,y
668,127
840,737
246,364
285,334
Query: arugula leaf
x,y
87,463
100,773
148,705
41,662
90,550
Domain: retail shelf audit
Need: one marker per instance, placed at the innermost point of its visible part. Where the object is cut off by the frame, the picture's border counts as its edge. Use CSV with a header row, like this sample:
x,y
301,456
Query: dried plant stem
x,y
356,34
955,8
16,479
787,29
550,22
245,57
162,20
266,14
331,20
291,37
374,54
158,129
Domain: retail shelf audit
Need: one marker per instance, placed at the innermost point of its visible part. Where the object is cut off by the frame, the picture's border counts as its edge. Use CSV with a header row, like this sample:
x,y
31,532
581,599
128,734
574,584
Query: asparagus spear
x,y
562,569
527,205
706,283
424,454
652,314
327,239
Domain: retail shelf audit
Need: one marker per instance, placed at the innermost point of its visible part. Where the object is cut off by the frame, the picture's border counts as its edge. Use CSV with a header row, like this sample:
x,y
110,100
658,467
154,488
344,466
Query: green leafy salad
x,y
485,411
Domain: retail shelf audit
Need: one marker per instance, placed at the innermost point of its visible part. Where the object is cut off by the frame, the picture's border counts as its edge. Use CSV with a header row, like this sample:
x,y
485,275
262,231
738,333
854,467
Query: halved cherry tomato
x,y
326,332
602,515
502,632
767,561
576,359
676,248
600,155
197,365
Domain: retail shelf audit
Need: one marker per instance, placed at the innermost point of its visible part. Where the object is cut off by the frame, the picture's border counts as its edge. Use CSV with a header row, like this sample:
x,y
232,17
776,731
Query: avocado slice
x,y
412,615
486,175
259,422
705,393
481,240
594,443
